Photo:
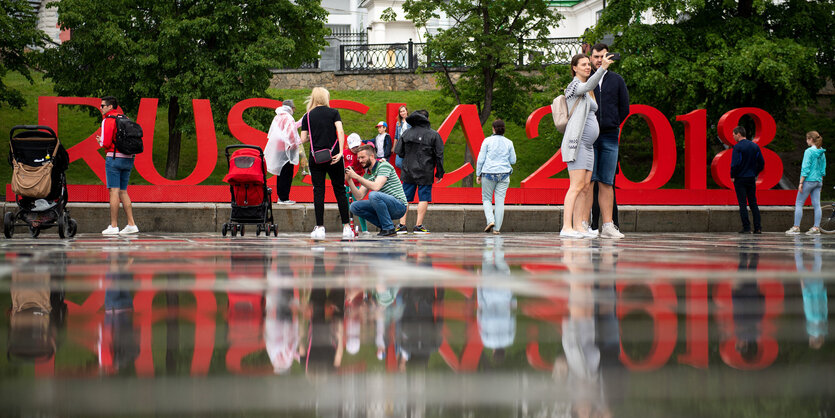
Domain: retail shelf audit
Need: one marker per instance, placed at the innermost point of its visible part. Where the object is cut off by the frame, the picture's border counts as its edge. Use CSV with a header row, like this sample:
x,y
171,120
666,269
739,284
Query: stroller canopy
x,y
246,166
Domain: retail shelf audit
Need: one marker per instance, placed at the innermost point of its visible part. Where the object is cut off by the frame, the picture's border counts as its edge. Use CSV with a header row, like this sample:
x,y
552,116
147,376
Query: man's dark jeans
x,y
746,191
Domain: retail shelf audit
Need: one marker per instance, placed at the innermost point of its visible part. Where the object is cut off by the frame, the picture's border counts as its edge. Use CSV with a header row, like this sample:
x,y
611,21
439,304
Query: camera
x,y
614,56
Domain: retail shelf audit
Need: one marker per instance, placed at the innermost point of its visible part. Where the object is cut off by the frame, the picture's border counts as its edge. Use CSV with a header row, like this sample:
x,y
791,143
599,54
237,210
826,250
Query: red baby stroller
x,y
251,203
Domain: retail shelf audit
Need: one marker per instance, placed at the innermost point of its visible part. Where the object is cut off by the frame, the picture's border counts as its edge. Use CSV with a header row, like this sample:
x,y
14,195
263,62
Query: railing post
x,y
341,57
411,58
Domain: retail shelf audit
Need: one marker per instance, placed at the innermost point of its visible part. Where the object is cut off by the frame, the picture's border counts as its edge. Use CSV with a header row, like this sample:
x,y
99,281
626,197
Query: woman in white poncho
x,y
282,150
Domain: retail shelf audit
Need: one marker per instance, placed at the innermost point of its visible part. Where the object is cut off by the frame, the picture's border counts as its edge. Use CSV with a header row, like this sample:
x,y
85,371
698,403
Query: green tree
x,y
220,50
721,54
18,36
486,42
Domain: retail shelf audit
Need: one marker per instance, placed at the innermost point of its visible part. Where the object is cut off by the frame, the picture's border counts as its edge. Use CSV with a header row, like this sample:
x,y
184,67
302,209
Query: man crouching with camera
x,y
386,200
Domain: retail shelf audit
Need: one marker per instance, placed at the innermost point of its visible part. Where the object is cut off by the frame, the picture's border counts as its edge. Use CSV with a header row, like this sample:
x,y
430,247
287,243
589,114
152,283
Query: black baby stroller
x,y
37,146
251,203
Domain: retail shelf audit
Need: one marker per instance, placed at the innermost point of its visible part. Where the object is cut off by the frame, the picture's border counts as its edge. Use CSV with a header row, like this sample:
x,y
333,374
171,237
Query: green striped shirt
x,y
392,186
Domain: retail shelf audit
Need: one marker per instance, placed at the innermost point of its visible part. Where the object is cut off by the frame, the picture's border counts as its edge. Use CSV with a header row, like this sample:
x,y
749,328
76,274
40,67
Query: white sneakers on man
x,y
609,230
347,232
111,230
318,233
129,229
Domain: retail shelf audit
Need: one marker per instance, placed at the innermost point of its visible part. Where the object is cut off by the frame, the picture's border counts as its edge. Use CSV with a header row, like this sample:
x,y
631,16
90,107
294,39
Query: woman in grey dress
x,y
580,134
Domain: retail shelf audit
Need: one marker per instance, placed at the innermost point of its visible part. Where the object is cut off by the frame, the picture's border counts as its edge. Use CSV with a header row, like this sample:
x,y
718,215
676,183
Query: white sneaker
x,y
347,232
795,230
591,233
286,202
318,233
609,230
130,229
570,234
111,230
813,231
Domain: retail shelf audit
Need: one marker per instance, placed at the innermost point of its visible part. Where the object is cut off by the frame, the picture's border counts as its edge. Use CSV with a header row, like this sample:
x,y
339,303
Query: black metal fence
x,y
411,55
382,57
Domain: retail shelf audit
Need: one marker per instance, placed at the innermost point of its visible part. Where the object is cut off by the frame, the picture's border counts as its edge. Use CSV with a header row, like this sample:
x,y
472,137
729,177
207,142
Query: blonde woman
x,y
322,128
812,171
577,143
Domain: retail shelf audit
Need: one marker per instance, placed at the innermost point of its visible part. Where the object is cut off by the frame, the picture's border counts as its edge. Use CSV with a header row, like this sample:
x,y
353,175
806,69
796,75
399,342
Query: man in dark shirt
x,y
746,163
422,151
612,109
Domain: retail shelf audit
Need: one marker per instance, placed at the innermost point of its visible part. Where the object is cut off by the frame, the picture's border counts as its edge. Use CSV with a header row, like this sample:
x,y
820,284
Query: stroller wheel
x,y
34,231
62,225
73,228
274,229
224,229
258,229
234,230
242,230
8,224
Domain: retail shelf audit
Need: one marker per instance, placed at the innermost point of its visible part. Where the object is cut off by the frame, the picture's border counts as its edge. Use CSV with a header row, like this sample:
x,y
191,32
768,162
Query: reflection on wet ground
x,y
438,325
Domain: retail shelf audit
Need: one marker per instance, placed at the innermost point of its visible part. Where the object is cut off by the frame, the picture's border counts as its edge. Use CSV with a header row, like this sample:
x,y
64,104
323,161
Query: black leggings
x,y
337,174
284,181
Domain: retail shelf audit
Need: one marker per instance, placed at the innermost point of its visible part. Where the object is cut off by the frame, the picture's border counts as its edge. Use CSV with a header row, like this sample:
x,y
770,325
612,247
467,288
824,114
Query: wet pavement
x,y
441,325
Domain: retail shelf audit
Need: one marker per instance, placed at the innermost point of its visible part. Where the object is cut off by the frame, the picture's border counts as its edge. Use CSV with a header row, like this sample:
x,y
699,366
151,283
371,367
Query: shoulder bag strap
x,y
335,143
310,131
574,107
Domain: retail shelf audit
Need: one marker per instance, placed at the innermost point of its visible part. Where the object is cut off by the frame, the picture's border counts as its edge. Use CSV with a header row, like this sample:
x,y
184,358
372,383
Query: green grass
x,y
76,124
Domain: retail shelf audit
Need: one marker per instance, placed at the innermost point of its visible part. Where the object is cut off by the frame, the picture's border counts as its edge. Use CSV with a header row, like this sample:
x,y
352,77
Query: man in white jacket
x,y
282,150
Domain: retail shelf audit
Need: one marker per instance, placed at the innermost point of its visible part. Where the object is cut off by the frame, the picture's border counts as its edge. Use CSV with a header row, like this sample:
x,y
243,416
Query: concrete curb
x,y
208,217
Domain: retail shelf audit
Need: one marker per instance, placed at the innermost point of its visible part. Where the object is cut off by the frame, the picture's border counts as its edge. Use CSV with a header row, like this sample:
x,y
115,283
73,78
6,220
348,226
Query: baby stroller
x,y
251,203
36,146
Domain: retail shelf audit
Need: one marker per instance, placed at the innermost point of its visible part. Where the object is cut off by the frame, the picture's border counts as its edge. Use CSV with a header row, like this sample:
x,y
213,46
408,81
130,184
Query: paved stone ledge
x,y
208,217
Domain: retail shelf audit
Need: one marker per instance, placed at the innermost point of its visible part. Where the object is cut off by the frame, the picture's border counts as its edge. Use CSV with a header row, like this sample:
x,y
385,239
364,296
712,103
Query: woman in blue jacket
x,y
811,179
493,170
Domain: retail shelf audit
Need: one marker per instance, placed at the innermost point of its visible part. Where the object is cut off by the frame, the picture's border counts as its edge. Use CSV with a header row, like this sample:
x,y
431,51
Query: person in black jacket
x,y
422,151
746,164
612,109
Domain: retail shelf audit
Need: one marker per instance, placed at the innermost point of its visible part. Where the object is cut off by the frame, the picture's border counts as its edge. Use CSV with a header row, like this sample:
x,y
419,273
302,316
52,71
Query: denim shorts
x,y
424,192
605,158
117,172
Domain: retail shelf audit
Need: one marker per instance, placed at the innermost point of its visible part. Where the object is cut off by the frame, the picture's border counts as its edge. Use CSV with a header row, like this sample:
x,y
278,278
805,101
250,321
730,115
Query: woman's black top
x,y
323,133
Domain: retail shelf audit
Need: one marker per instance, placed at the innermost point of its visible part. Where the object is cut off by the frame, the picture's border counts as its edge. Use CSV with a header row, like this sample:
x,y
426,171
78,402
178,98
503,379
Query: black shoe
x,y
401,229
420,229
386,233
758,231
745,231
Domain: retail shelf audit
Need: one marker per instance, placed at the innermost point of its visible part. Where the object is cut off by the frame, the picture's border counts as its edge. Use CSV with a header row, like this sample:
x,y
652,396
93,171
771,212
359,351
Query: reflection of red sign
x,y
680,323
538,188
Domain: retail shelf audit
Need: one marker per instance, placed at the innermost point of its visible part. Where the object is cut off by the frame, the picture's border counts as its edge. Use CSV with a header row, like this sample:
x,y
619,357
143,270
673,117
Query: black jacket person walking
x,y
422,151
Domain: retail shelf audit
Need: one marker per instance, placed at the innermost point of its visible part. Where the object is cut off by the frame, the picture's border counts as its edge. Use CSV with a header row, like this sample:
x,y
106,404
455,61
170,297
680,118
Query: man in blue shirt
x,y
746,163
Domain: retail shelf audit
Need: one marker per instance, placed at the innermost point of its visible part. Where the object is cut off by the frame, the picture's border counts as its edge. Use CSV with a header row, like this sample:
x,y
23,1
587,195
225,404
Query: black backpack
x,y
128,135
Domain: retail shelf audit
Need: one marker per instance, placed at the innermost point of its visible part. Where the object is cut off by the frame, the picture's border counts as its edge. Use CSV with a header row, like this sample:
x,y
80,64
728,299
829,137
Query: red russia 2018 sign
x,y
538,188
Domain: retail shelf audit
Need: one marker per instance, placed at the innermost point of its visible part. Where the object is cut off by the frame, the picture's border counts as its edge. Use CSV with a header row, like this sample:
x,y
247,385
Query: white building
x,y
48,20
360,21
366,16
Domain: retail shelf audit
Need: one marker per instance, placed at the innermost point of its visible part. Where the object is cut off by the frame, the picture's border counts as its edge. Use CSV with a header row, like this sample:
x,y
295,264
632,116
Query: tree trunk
x,y
174,139
745,8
